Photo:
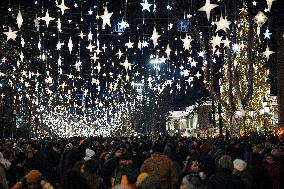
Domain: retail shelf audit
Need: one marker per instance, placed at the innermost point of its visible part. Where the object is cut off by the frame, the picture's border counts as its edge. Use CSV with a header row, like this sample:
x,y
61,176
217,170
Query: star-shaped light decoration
x,y
139,45
168,51
126,64
186,42
106,18
62,7
207,8
236,48
260,19
104,47
122,25
201,54
119,54
155,37
193,63
78,65
216,41
129,44
145,44
90,35
59,45
267,34
267,52
218,53
46,18
59,25
186,73
189,80
36,23
90,47
269,4
19,19
146,6
82,35
90,11
70,45
98,51
22,56
170,26
99,68
11,34
95,57
169,7
222,24
226,42
22,42
198,75
254,3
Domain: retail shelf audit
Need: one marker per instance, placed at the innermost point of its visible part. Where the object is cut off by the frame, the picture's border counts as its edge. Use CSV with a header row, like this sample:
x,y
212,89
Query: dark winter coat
x,y
224,179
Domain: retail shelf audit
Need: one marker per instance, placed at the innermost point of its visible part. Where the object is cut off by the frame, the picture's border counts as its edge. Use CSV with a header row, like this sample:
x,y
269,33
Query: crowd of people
x,y
142,163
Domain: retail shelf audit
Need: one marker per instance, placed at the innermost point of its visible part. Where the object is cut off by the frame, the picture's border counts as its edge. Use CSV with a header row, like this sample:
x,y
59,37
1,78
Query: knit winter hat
x,y
33,176
89,154
239,164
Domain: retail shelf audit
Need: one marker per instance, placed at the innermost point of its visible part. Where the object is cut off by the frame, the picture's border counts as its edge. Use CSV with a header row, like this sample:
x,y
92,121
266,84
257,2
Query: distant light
x,y
35,2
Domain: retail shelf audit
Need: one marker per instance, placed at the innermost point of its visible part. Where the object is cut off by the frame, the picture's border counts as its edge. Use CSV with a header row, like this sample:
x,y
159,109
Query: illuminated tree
x,y
243,85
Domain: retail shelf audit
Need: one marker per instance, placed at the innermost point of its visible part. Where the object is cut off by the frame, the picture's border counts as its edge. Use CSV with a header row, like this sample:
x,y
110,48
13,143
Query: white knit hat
x,y
240,165
89,154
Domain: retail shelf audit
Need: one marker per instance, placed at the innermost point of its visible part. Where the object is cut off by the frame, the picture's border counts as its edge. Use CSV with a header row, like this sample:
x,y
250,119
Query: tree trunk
x,y
280,75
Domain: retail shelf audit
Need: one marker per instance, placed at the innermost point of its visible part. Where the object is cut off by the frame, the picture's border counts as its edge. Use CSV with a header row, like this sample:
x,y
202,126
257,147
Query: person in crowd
x,y
267,148
4,165
273,170
261,178
191,175
110,164
279,159
33,180
74,179
223,178
206,158
162,166
41,160
90,169
66,159
171,152
240,169
125,173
